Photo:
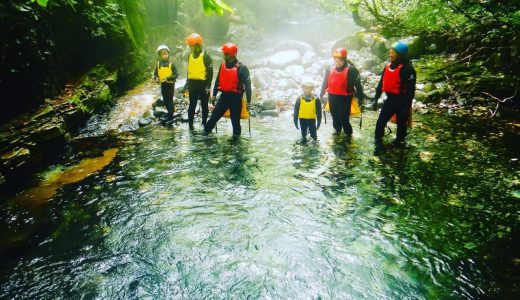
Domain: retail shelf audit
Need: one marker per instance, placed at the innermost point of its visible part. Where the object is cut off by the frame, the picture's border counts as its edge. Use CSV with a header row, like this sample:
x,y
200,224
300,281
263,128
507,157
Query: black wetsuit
x,y
340,105
231,100
198,89
399,104
167,88
307,124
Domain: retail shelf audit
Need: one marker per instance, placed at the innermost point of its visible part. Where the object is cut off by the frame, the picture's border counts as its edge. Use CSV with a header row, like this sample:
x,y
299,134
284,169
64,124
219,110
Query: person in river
x,y
307,110
200,75
341,82
165,74
398,82
232,81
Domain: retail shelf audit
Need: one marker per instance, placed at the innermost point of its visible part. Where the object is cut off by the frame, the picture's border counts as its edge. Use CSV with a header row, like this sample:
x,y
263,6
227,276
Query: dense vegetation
x,y
480,33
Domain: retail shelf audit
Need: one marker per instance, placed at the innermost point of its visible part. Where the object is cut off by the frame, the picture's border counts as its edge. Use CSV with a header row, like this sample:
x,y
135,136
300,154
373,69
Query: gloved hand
x,y
213,99
374,104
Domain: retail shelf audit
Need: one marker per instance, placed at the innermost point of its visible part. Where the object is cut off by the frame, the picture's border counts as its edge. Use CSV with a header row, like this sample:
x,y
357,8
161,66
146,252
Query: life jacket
x,y
196,67
392,80
307,108
338,82
228,78
164,72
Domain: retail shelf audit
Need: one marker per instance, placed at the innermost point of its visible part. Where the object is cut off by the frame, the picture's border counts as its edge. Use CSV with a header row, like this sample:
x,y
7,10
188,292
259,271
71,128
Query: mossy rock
x,y
428,87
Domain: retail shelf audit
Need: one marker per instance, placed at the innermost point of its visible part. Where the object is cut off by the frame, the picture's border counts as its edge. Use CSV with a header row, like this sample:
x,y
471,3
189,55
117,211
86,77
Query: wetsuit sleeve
x,y
156,72
296,111
324,84
379,88
175,74
215,87
243,76
208,62
354,74
408,77
318,111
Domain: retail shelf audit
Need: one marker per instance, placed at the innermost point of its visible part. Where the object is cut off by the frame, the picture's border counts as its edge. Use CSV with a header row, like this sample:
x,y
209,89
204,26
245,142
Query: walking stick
x,y
249,119
325,115
360,120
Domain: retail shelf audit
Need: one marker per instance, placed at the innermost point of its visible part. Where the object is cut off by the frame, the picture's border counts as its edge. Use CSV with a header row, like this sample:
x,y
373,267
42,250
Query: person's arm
x,y
408,78
296,112
318,112
156,73
243,76
356,80
174,73
215,87
324,84
208,62
379,91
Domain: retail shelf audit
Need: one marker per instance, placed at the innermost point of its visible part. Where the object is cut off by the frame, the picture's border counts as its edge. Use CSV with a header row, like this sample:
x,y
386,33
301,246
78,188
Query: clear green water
x,y
180,215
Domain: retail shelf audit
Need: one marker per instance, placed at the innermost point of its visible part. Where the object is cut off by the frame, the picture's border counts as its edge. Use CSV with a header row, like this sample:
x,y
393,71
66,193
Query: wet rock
x,y
269,113
51,134
74,118
420,96
268,105
159,112
293,45
295,70
144,122
261,77
428,87
284,58
158,102
15,159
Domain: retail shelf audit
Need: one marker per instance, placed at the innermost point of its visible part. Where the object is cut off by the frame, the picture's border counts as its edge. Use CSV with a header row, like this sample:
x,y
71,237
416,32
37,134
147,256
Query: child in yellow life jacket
x,y
165,74
307,109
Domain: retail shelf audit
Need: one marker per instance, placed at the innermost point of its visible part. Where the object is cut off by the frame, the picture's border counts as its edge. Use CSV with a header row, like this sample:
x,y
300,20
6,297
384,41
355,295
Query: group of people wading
x,y
341,84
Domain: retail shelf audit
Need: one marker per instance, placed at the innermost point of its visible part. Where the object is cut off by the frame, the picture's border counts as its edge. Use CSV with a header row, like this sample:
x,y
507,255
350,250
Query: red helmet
x,y
194,39
230,49
340,52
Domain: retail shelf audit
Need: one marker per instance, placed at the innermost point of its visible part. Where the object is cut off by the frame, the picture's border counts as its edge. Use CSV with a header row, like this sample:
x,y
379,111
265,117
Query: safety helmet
x,y
194,39
163,47
400,47
340,52
230,49
308,83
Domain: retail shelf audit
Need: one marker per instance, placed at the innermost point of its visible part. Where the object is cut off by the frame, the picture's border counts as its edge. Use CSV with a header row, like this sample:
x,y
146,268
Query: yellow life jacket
x,y
355,110
196,67
164,72
307,109
244,114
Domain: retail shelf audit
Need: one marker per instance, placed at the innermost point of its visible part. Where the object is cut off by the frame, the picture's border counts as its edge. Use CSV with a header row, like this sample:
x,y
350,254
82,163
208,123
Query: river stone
x,y
159,112
268,104
308,58
15,159
144,121
51,134
428,87
295,70
293,45
284,58
270,113
261,77
420,96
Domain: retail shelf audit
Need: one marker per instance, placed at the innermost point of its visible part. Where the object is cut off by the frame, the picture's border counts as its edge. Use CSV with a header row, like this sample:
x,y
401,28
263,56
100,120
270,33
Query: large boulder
x,y
284,58
293,45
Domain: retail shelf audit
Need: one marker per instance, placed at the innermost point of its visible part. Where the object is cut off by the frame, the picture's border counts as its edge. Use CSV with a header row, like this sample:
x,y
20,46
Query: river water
x,y
161,213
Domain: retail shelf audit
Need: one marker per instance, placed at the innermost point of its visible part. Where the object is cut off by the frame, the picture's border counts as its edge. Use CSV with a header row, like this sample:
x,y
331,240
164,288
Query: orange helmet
x,y
340,52
230,49
194,39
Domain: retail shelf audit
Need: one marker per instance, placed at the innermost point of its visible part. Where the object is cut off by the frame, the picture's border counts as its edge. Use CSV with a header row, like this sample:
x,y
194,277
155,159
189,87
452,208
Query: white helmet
x,y
163,47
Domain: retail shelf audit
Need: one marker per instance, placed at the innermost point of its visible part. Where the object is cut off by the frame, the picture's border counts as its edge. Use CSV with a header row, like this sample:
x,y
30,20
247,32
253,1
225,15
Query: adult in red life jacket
x,y
341,82
200,75
398,82
232,81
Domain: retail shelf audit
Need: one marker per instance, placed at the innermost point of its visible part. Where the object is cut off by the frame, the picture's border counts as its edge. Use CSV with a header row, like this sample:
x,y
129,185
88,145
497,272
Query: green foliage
x,y
216,6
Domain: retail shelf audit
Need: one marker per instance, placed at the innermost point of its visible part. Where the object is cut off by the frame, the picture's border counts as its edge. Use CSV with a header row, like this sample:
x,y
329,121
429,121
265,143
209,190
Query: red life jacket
x,y
338,82
392,80
228,78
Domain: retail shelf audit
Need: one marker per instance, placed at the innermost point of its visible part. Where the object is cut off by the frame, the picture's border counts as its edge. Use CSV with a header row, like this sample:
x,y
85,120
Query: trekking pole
x,y
325,115
360,120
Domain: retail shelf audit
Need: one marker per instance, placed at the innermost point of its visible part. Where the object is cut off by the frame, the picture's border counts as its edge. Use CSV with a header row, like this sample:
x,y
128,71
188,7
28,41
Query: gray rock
x,y
293,45
284,58
268,105
159,112
144,122
270,113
